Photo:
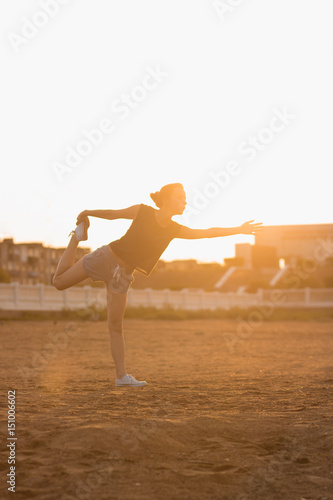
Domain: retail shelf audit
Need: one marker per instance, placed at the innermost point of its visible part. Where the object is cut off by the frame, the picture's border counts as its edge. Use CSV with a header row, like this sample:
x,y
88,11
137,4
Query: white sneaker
x,y
128,380
81,230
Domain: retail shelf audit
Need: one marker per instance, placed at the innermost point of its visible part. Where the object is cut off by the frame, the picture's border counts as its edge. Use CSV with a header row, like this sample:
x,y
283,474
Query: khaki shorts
x,y
101,265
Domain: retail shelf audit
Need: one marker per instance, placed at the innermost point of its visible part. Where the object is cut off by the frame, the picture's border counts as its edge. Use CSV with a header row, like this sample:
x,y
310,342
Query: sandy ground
x,y
221,418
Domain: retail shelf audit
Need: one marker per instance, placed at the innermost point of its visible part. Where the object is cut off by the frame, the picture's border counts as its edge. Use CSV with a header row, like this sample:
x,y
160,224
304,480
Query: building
x,y
276,246
272,261
32,263
295,241
177,265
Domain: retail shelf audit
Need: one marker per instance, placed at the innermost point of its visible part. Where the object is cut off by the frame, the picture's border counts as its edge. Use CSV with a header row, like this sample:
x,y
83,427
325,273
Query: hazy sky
x,y
235,102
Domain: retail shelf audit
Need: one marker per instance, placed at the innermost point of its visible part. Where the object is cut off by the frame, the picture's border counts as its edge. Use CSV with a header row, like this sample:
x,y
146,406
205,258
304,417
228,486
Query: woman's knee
x,y
115,325
58,283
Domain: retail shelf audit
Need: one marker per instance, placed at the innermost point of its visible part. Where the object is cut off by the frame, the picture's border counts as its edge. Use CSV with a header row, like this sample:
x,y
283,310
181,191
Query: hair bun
x,y
164,193
155,196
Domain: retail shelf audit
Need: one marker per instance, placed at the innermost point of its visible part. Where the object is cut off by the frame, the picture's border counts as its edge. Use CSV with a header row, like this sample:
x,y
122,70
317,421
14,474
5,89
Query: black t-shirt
x,y
145,240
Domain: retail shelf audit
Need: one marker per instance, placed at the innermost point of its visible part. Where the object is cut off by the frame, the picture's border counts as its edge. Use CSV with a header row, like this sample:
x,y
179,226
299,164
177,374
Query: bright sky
x,y
182,91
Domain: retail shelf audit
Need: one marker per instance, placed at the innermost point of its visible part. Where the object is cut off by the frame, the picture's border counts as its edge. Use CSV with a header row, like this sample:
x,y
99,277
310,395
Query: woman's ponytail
x,y
156,197
164,193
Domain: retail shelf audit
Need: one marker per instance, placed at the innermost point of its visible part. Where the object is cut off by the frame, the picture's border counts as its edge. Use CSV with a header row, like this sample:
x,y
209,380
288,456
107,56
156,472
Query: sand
x,y
249,420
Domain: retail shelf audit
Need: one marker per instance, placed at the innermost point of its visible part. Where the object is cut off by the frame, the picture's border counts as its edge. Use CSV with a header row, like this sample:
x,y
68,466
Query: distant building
x,y
276,252
177,265
283,243
32,263
244,251
254,256
294,241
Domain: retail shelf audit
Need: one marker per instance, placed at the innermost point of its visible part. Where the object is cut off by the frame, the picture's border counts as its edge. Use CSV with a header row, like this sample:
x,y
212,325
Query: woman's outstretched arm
x,y
215,232
123,213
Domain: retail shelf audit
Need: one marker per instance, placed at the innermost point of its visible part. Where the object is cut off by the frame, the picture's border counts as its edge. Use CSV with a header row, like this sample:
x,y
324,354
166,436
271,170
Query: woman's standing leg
x,y
67,273
116,308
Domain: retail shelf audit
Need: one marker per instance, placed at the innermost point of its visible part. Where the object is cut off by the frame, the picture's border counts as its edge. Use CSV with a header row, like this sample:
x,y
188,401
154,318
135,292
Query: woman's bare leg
x,y
68,257
116,309
69,273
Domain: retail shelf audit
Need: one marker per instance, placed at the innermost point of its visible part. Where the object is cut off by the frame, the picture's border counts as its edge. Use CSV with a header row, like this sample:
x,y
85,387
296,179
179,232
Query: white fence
x,y
18,297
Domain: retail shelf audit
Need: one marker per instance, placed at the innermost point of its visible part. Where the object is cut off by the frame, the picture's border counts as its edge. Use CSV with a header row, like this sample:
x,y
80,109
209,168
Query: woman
x,y
139,249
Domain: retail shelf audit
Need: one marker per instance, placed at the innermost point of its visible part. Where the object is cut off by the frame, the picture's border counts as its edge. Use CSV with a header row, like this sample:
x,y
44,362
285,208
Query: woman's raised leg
x,y
67,273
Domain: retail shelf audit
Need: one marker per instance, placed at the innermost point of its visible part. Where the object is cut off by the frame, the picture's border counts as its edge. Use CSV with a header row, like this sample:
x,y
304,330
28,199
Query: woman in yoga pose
x,y
139,249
